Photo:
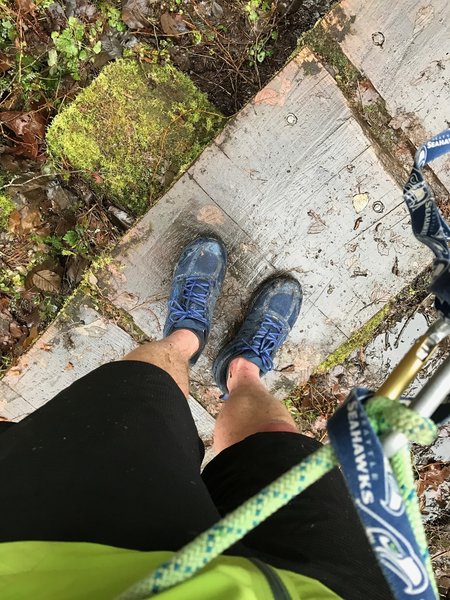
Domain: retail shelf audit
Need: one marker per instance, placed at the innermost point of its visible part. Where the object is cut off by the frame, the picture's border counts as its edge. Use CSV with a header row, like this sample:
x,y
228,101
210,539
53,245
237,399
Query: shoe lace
x,y
193,303
265,341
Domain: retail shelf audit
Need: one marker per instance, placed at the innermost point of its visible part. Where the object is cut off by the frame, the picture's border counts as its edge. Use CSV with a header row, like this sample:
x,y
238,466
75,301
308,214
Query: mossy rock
x,y
133,130
6,208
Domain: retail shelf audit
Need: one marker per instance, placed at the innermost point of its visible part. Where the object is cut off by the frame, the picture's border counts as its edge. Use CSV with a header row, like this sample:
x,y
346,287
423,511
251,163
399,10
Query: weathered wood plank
x,y
403,48
139,280
295,188
12,406
203,421
72,347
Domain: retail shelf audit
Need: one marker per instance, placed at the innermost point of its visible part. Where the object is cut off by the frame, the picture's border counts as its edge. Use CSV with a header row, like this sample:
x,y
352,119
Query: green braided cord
x,y
385,415
208,545
388,415
403,471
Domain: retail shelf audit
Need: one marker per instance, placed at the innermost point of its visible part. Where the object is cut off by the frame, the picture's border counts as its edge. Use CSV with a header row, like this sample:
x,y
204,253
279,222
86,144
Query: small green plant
x,y
11,283
78,242
43,4
113,16
74,242
48,307
255,9
196,37
259,14
6,208
7,31
259,52
34,82
175,6
71,48
5,363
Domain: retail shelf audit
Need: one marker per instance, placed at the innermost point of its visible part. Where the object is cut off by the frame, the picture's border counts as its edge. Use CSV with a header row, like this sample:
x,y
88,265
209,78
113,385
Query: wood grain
x,y
411,69
72,346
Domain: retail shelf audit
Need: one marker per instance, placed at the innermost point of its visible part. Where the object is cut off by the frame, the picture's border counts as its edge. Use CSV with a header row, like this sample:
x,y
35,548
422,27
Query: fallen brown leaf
x,y
96,177
319,425
15,330
360,201
14,221
46,347
135,13
432,476
30,218
4,303
25,6
29,129
335,388
75,268
47,281
23,222
367,93
34,332
69,366
173,24
6,63
15,371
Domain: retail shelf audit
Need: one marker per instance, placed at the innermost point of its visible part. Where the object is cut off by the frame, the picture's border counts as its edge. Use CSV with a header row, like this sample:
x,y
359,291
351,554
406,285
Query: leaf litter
x,y
28,129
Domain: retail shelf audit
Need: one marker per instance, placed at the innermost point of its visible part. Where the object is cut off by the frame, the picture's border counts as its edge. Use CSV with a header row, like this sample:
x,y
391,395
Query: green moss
x,y
378,119
330,53
323,39
356,340
6,208
133,130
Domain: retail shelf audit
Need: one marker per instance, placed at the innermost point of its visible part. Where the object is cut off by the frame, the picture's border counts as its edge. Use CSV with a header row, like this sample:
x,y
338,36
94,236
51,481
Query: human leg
x,y
115,458
318,533
107,460
250,407
172,354
196,284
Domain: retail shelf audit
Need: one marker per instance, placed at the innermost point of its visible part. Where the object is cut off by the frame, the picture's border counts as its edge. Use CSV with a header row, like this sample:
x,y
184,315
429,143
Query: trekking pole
x,y
413,361
425,403
433,393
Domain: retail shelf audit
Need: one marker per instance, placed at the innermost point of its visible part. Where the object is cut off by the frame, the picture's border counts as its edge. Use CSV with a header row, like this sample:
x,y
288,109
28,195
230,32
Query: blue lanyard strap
x,y
386,504
427,222
381,504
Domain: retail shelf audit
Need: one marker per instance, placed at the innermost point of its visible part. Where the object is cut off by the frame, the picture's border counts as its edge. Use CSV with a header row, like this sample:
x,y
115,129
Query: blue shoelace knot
x,y
265,341
193,303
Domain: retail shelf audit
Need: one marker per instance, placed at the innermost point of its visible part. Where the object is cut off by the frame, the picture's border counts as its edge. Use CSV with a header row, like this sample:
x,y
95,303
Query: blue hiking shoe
x,y
269,320
196,284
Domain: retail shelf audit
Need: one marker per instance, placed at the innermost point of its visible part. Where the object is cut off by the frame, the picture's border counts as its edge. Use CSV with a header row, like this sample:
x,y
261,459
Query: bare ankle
x,y
242,371
185,341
